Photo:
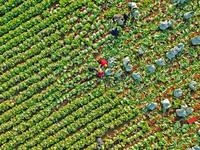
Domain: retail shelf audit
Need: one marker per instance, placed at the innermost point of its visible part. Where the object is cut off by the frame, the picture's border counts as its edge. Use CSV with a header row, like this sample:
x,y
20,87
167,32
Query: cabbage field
x,y
147,99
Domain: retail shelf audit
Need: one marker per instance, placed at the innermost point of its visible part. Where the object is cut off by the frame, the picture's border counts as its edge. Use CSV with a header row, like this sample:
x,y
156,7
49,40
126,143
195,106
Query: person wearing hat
x,y
100,73
104,63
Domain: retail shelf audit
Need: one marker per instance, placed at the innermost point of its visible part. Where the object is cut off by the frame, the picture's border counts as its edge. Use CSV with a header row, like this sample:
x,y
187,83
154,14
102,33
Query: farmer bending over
x,y
104,63
114,32
92,69
120,19
100,73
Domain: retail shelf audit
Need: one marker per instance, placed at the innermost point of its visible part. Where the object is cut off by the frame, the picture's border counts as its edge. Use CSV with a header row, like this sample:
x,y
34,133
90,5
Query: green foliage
x,y
147,2
110,13
49,98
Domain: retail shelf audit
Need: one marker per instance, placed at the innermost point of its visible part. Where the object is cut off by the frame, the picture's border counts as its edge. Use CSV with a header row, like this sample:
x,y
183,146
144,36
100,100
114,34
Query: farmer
x,y
125,17
100,141
92,69
100,73
114,32
121,19
104,63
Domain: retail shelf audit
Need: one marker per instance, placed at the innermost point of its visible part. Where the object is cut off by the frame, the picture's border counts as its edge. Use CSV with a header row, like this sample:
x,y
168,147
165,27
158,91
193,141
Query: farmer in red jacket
x,y
104,63
100,73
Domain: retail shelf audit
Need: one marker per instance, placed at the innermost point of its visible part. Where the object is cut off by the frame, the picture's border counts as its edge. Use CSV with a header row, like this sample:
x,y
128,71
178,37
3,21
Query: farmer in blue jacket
x,y
114,32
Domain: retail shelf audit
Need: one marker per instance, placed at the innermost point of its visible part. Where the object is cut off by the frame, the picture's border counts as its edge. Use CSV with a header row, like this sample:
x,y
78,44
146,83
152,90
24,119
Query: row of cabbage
x,y
61,67
61,80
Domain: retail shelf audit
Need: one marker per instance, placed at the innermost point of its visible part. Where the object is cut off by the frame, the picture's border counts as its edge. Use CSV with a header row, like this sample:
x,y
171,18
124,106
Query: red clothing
x,y
100,74
192,120
103,62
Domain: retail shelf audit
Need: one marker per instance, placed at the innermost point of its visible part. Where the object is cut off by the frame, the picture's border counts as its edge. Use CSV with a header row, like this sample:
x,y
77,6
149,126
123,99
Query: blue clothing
x,y
114,32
